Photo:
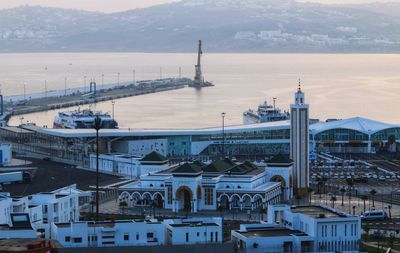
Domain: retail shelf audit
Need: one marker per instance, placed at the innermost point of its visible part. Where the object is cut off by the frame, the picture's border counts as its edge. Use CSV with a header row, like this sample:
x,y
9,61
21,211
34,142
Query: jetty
x,y
38,102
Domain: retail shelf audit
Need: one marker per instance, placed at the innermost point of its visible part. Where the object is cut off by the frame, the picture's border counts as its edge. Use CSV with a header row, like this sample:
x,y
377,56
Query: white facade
x,y
194,187
5,208
5,153
267,238
331,230
125,165
103,234
19,226
193,231
300,229
61,205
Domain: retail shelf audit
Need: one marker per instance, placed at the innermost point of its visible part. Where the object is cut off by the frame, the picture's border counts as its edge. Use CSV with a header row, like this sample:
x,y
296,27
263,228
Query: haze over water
x,y
336,85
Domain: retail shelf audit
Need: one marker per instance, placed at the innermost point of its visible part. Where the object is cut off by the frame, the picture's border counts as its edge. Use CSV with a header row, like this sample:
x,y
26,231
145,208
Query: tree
x,y
350,185
354,210
123,205
333,200
342,191
364,198
373,193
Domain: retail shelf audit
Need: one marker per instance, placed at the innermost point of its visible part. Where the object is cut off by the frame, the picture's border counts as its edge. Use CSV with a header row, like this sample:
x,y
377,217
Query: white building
x,y
108,233
221,184
193,231
19,226
5,153
5,208
129,165
300,229
61,205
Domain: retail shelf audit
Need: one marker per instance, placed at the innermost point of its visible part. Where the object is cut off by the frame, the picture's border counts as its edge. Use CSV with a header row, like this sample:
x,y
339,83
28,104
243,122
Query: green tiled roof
x,y
280,159
154,157
188,168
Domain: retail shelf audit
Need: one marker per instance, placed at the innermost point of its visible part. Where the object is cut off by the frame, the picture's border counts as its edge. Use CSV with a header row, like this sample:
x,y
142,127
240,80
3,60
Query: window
x,y
150,235
216,236
345,229
126,237
209,196
67,239
198,234
137,237
187,237
212,237
77,239
169,191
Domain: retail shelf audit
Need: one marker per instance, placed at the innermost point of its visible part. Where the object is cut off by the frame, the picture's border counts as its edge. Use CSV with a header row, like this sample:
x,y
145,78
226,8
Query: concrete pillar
x,y
369,149
241,205
195,205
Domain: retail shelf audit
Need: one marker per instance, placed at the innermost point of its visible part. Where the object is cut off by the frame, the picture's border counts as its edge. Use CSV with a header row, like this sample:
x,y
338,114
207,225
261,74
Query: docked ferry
x,y
264,113
83,119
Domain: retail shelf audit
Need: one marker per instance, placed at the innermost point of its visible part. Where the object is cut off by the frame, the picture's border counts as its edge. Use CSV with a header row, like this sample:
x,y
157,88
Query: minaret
x,y
299,143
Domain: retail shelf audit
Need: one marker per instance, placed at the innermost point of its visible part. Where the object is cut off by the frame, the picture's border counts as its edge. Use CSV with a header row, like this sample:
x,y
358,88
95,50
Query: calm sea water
x,y
336,86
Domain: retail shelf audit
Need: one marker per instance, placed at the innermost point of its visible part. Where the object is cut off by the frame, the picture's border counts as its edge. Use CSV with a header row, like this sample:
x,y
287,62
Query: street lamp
x,y
134,77
223,133
65,86
97,127
113,112
84,84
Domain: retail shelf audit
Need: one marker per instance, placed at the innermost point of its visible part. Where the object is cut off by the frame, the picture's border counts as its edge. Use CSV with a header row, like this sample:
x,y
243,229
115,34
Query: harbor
x,y
31,103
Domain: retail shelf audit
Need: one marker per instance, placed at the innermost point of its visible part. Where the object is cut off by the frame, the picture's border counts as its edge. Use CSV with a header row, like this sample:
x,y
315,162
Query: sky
x,y
122,5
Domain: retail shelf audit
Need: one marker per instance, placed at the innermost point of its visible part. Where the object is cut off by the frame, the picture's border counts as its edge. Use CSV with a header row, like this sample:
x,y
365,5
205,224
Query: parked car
x,y
374,215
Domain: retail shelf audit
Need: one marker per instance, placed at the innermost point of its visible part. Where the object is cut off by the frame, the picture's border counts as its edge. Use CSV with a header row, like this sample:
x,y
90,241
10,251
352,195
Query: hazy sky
x,y
120,5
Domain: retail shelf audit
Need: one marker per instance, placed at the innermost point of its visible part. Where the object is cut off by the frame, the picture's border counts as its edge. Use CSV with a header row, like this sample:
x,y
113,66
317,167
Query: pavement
x,y
358,203
375,245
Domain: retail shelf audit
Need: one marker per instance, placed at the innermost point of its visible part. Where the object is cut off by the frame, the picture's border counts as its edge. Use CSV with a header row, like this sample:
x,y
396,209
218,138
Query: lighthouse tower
x,y
299,143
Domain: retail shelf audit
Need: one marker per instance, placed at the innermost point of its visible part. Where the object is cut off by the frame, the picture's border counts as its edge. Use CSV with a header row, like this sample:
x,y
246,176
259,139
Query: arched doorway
x,y
158,200
280,179
184,196
224,202
247,203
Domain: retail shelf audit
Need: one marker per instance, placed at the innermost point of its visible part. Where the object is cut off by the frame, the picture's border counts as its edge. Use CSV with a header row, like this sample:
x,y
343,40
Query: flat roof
x,y
193,224
316,212
272,232
68,133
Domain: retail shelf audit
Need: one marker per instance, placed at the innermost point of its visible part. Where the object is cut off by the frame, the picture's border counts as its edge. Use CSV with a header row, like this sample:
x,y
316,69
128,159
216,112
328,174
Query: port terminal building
x,y
256,141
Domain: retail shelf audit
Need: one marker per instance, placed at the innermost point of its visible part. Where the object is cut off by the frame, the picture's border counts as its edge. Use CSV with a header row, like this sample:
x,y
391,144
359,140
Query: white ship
x,y
264,113
83,119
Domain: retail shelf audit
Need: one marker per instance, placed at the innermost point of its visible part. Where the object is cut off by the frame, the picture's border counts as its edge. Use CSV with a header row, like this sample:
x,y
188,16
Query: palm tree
x,y
123,205
342,191
350,185
372,193
324,180
319,183
333,200
364,198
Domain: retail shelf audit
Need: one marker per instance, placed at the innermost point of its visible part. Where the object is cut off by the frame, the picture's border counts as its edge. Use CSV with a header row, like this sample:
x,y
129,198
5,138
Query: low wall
x,y
197,248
